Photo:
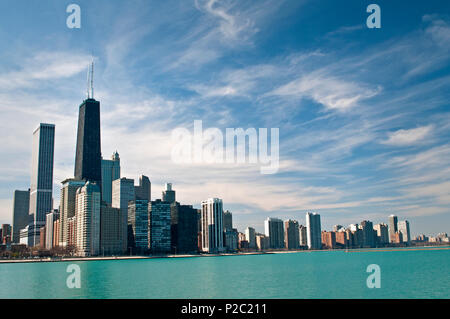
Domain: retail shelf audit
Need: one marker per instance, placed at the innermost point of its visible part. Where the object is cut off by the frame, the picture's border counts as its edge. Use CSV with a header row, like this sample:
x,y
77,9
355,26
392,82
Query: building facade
x,y
87,215
313,231
274,229
110,172
184,228
67,207
250,236
21,216
291,234
138,225
212,225
160,227
122,193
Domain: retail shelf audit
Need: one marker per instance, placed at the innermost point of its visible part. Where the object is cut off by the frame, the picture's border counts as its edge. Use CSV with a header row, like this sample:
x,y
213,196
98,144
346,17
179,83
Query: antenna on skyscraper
x,y
90,80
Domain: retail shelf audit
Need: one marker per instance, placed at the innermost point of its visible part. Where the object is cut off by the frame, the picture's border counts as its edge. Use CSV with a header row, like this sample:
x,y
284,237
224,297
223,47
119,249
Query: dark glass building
x,y
88,157
184,228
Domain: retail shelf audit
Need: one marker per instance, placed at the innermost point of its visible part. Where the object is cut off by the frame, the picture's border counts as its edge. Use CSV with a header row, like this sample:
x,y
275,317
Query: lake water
x,y
322,274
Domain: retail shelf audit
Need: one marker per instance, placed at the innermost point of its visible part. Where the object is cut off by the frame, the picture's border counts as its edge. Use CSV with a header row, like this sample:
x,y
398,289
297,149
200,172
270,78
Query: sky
x,y
363,114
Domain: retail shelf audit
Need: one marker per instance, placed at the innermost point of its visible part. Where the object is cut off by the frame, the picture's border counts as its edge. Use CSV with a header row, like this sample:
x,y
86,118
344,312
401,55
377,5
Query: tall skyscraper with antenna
x,y
88,157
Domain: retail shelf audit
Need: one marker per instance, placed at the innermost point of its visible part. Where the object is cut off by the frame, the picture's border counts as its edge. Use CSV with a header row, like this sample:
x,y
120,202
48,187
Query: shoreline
x,y
105,258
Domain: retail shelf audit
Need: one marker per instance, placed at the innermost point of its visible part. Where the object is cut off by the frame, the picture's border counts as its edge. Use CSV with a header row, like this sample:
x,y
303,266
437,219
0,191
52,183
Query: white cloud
x,y
405,137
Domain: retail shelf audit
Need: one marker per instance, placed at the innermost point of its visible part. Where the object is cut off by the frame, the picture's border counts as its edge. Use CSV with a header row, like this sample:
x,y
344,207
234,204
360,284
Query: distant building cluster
x,y
103,213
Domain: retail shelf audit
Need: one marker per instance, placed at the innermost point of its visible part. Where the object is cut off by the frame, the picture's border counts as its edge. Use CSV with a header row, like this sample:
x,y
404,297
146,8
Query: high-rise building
x,y
138,225
184,228
231,240
250,236
328,239
110,172
341,238
159,226
49,229
87,215
303,237
143,191
212,225
227,220
41,178
262,242
291,234
382,233
21,207
122,193
313,231
393,228
88,156
403,227
368,234
168,195
273,228
110,230
67,207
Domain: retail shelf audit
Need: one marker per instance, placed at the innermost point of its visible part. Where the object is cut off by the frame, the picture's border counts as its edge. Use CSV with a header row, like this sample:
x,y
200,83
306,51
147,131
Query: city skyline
x,y
340,156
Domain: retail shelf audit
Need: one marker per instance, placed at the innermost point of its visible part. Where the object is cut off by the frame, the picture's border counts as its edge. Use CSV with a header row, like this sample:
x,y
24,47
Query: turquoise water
x,y
322,274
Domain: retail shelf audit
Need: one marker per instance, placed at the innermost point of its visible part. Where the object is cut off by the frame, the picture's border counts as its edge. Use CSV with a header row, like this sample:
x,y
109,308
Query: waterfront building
x,y
291,234
393,228
403,227
231,240
313,231
5,234
23,233
111,239
303,237
122,193
138,225
71,232
143,190
212,225
341,238
328,239
227,220
21,207
273,228
56,232
42,235
87,215
262,242
250,237
368,234
49,229
184,228
110,172
67,207
382,233
41,187
160,226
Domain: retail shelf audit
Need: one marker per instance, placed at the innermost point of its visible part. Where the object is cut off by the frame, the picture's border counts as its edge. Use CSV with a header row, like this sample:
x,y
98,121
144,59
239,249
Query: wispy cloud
x,y
406,137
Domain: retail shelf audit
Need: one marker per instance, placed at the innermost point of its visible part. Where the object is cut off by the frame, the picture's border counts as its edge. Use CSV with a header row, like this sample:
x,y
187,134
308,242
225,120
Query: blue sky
x,y
363,114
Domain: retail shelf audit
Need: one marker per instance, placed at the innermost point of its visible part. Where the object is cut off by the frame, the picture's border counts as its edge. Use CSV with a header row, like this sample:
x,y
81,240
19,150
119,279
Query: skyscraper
x,y
41,178
313,231
403,228
274,229
21,207
291,234
212,225
138,225
122,193
88,220
110,230
382,233
67,207
143,191
110,172
159,226
227,220
49,228
393,228
168,195
303,237
88,157
368,234
250,236
184,228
